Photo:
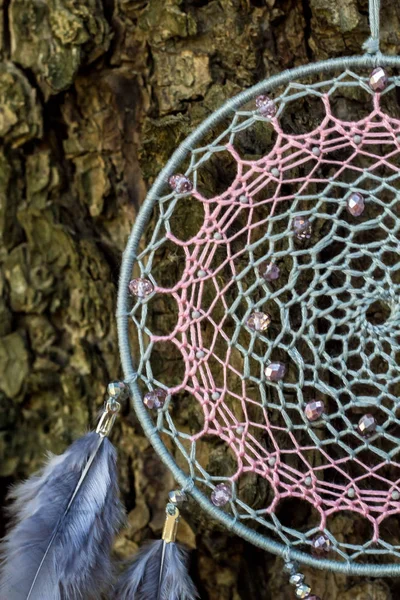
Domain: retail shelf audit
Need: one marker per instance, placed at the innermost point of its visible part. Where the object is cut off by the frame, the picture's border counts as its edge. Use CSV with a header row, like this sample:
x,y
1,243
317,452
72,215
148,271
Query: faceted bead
x,y
221,494
367,425
321,545
302,591
155,398
266,106
275,371
270,271
355,204
259,321
290,567
313,597
313,410
177,497
116,388
180,183
141,287
296,579
378,79
302,228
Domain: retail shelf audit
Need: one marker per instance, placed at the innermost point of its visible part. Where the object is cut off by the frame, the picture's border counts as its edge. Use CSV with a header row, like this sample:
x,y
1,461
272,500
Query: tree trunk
x,y
95,96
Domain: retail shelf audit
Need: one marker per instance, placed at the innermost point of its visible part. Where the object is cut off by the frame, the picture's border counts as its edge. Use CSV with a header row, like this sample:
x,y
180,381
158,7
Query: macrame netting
x,y
334,311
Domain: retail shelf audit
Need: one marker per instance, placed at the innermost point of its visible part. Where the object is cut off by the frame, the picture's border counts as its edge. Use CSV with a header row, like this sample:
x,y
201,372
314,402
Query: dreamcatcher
x,y
270,245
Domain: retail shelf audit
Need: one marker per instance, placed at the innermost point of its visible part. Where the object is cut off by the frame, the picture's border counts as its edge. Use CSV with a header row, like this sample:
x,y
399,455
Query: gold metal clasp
x,y
171,524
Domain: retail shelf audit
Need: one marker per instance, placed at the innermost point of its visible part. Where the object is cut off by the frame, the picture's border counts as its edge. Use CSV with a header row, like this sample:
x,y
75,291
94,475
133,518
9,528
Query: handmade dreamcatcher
x,y
258,314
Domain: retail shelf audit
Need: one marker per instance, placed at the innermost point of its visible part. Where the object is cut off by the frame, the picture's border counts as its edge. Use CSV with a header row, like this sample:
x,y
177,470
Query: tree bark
x,y
95,95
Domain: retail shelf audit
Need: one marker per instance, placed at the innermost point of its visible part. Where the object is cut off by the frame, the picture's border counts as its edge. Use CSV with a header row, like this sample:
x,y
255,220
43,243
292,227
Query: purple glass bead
x,y
221,494
141,287
180,183
259,321
313,597
378,79
321,545
155,398
367,425
270,271
266,106
314,409
275,371
302,228
355,204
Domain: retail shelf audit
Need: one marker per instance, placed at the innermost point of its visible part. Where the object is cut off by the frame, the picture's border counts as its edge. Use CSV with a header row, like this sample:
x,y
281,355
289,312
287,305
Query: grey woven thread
x,y
132,256
372,44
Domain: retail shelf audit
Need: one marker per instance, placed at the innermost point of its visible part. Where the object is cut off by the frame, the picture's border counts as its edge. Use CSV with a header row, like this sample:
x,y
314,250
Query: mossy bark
x,y
94,97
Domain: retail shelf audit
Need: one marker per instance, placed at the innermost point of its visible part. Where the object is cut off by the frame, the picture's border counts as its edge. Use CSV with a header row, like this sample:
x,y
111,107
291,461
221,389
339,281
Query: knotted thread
x,y
371,45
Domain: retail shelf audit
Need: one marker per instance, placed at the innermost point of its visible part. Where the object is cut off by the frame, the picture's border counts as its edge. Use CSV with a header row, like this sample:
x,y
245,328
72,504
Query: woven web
x,y
334,310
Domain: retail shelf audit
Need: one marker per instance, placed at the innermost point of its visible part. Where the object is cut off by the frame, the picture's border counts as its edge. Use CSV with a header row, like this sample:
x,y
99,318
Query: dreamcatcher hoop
x,y
124,302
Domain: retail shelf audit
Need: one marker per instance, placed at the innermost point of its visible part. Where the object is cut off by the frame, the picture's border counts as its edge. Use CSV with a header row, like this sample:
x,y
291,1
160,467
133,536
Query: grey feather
x,y
158,572
64,521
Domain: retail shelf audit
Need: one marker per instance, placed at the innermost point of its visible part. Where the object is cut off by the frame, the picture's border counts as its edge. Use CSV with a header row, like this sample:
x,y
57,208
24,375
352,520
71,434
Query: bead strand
x,y
302,589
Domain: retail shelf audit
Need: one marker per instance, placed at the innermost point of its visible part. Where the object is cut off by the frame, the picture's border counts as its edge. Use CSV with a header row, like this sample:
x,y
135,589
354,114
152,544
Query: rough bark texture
x,y
94,96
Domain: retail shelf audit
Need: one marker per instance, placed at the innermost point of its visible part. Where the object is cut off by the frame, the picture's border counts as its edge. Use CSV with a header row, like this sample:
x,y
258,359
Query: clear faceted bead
x,y
290,567
259,321
275,371
270,271
367,425
141,287
302,591
155,398
296,579
177,497
116,389
355,204
378,79
180,183
321,545
266,106
221,494
302,228
313,410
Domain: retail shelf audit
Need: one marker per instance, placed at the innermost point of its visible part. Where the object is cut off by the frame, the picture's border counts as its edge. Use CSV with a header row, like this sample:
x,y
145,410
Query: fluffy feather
x,y
154,576
64,520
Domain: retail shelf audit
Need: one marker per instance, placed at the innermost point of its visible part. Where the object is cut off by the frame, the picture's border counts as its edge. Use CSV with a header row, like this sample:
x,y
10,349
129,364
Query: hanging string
x,y
372,43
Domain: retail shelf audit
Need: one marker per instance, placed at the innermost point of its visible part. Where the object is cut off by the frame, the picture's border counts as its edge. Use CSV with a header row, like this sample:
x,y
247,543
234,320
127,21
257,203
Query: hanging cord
x,y
372,43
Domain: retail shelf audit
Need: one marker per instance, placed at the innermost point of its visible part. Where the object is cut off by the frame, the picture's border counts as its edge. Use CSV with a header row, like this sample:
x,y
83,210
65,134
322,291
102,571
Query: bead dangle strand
x,y
297,579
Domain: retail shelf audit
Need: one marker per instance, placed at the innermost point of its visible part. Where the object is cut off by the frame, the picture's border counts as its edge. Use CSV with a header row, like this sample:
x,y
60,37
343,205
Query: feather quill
x,y
64,520
158,572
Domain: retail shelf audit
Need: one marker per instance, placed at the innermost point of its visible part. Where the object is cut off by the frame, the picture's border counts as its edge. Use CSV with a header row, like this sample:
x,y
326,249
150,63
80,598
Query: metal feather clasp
x,y
64,521
159,570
